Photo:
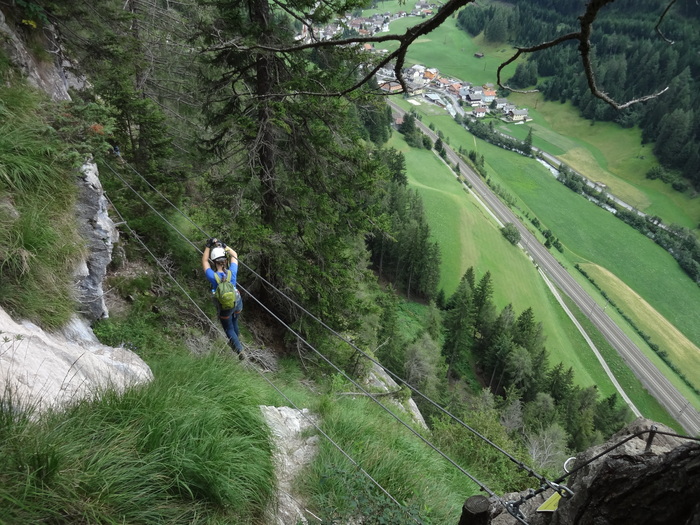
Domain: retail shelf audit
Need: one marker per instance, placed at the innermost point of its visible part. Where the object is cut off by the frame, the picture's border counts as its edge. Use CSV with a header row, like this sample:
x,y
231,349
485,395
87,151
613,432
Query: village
x,y
455,95
452,94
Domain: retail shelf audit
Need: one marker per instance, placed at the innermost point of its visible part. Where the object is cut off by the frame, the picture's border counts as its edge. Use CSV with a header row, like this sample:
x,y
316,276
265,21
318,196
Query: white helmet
x,y
217,253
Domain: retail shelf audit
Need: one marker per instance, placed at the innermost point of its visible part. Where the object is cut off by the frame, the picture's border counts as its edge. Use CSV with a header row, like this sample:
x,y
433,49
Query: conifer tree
x,y
483,305
560,383
302,183
487,348
527,332
528,142
458,325
390,342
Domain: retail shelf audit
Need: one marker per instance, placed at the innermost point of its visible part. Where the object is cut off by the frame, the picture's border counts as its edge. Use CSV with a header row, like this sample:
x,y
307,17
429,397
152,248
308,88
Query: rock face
x,y
638,483
100,234
50,370
96,228
379,379
634,485
52,77
293,452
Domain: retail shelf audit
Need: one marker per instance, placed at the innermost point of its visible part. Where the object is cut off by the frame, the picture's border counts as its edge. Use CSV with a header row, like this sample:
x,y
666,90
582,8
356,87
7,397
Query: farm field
x,y
469,236
591,234
601,239
604,151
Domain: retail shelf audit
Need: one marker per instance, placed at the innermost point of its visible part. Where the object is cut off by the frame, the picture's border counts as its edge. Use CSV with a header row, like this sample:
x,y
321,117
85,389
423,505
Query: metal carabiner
x,y
567,462
513,508
563,490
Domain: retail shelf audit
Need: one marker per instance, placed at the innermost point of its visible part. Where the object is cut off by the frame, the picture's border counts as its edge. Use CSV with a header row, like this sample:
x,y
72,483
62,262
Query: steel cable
x,y
260,373
517,462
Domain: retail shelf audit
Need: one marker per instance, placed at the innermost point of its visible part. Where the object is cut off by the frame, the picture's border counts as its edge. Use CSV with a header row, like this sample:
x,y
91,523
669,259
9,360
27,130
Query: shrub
x,y
511,233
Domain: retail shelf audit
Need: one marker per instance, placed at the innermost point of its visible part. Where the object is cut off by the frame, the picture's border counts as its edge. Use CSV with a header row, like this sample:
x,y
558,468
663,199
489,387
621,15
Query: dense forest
x,y
630,58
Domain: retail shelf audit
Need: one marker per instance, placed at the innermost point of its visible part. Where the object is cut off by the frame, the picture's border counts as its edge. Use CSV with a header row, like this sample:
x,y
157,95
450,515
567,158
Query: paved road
x,y
654,381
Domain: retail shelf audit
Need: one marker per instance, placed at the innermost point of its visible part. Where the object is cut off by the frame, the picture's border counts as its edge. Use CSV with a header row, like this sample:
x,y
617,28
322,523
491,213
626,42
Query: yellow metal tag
x,y
551,504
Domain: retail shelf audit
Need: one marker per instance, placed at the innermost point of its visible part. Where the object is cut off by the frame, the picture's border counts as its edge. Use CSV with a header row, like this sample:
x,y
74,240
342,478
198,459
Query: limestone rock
x,y
51,370
293,451
379,379
49,77
100,234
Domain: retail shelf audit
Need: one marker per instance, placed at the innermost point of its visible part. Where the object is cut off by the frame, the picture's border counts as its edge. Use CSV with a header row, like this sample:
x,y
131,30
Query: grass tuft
x,y
37,218
408,469
187,448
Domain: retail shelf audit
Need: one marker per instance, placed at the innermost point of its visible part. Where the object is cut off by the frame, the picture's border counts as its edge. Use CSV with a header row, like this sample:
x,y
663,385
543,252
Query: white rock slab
x,y
293,452
51,370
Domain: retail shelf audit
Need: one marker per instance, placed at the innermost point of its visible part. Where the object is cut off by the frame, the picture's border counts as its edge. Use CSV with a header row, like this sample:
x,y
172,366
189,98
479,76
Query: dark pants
x,y
229,322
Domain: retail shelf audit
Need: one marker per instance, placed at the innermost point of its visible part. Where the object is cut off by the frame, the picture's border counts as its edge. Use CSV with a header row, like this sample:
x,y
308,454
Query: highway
x,y
652,379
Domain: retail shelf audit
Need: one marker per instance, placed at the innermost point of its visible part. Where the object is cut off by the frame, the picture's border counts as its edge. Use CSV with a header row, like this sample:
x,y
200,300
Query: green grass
x,y
596,236
542,137
410,471
187,448
468,236
37,199
603,151
411,319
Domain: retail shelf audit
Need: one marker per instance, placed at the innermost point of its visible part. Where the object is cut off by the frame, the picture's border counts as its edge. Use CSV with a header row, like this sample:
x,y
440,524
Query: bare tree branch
x,y
520,50
583,36
661,19
413,33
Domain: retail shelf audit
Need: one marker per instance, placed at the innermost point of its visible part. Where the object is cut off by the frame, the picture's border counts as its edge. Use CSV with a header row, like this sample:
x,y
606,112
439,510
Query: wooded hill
x,y
631,59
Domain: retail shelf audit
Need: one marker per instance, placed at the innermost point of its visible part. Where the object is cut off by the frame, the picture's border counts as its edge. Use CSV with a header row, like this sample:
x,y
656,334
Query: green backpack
x,y
226,292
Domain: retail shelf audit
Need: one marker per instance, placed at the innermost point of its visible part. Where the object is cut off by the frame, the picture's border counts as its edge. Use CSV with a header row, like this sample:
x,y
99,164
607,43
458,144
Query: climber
x,y
225,270
117,153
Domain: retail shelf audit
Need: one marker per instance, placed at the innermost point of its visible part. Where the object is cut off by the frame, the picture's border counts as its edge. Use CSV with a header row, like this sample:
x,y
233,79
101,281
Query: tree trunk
x,y
475,511
263,154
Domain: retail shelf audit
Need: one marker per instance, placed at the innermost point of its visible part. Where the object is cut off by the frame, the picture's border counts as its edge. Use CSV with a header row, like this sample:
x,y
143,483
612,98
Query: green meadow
x,y
602,151
653,284
607,153
469,236
642,279
591,234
